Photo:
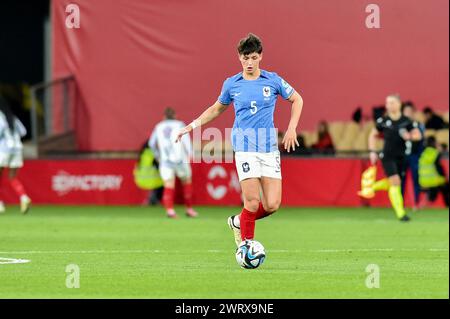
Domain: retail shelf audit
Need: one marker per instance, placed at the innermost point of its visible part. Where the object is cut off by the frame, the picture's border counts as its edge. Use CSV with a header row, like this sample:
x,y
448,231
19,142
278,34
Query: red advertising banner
x,y
131,59
306,182
78,182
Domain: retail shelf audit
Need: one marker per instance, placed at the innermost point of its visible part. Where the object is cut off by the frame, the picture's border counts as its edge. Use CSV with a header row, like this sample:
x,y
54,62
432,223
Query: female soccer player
x,y
173,161
254,138
11,132
398,132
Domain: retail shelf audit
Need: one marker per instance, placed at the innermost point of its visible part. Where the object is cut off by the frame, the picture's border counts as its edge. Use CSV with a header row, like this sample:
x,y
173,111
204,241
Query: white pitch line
x,y
217,251
378,249
4,261
81,252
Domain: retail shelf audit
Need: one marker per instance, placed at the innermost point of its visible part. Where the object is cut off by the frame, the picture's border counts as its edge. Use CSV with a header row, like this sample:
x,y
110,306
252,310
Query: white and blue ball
x,y
250,254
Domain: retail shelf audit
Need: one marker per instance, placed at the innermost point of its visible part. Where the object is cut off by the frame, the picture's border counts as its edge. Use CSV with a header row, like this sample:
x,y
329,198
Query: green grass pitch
x,y
135,252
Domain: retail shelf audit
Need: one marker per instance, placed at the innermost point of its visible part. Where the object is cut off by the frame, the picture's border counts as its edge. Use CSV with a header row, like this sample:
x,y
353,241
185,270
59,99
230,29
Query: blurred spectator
x,y
416,149
357,115
302,149
147,177
432,120
431,174
409,104
378,111
324,143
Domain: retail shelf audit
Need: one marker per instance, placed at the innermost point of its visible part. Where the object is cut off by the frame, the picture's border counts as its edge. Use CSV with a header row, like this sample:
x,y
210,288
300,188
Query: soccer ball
x,y
250,254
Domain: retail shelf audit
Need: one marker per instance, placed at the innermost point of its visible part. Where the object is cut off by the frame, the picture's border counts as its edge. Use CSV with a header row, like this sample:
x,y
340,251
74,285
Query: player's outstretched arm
x,y
207,116
290,138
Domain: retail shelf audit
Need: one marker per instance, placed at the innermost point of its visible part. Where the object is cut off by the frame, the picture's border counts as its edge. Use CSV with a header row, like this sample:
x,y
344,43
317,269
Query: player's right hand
x,y
373,158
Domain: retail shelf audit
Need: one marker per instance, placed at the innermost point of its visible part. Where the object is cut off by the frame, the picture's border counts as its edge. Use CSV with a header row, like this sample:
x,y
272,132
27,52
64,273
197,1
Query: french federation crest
x,y
266,91
245,167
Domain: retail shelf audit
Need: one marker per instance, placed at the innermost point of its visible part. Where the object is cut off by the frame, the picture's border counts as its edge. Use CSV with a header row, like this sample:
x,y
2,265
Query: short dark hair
x,y
250,44
431,141
169,113
428,110
408,104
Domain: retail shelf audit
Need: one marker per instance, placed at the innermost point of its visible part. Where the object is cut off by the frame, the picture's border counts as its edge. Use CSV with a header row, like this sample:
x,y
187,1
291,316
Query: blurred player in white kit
x,y
11,158
174,161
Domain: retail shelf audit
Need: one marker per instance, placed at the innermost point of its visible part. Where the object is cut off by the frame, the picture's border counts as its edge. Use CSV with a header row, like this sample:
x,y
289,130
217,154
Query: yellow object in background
x,y
146,175
429,177
367,181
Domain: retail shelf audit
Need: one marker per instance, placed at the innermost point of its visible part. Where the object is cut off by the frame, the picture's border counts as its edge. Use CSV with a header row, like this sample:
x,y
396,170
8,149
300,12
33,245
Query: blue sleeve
x,y
284,89
225,96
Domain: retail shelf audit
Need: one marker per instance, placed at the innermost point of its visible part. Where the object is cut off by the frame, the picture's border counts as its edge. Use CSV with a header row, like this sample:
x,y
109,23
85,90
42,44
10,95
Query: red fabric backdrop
x,y
131,59
306,182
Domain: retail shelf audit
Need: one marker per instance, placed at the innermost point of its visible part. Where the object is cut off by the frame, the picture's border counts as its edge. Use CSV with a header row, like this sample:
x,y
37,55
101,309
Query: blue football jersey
x,y
254,103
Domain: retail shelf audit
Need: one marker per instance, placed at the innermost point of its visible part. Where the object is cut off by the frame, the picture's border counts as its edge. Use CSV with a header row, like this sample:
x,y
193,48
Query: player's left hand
x,y
180,134
290,140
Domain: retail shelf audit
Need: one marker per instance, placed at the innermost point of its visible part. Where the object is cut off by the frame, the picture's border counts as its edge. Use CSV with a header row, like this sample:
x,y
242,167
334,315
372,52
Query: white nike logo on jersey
x,y
236,94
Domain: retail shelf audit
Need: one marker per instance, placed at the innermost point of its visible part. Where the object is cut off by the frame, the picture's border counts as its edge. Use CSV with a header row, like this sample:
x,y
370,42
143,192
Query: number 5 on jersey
x,y
253,106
